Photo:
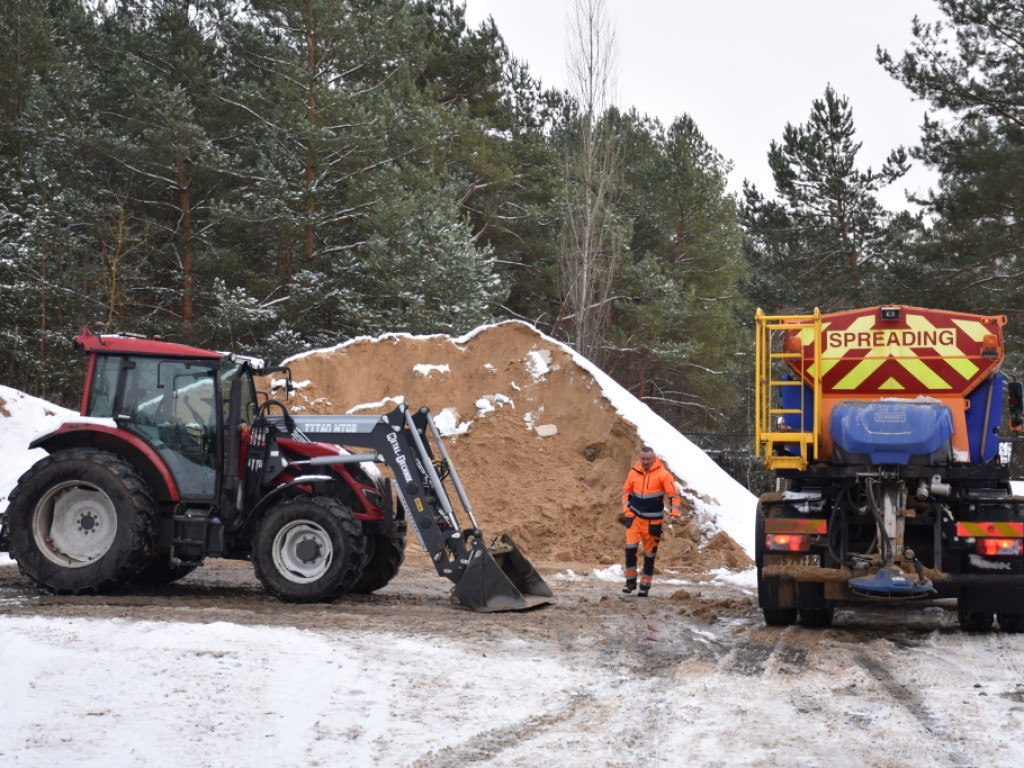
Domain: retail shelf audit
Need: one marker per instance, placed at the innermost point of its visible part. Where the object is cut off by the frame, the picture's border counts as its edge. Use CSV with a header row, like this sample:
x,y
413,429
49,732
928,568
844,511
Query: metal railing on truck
x,y
786,434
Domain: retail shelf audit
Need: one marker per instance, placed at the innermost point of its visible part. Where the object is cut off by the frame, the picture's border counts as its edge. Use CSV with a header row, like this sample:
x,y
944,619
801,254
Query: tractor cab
x,y
174,398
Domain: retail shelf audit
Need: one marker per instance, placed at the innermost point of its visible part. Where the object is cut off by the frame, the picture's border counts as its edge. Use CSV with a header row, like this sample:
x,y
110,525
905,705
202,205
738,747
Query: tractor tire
x,y
160,571
308,549
81,522
387,553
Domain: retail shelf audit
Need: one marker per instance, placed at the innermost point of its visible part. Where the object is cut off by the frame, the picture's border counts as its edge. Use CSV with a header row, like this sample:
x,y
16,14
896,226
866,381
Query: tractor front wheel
x,y
81,521
308,549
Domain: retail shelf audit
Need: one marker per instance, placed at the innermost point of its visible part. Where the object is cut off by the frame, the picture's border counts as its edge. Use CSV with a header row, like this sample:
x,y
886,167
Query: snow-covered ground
x,y
597,680
107,692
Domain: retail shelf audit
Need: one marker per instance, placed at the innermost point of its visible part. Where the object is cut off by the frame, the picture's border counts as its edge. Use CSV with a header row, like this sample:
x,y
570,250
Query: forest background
x,y
275,176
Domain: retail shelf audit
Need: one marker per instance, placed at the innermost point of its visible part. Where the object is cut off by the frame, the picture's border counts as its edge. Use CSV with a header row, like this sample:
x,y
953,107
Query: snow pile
x,y
22,419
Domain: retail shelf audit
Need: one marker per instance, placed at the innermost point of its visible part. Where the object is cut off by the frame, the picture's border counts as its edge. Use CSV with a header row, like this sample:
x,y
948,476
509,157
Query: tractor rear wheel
x,y
308,549
81,521
386,557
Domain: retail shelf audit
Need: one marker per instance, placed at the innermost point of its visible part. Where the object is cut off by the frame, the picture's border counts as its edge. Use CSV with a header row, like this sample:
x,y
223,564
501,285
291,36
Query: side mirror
x,y
1015,397
1015,404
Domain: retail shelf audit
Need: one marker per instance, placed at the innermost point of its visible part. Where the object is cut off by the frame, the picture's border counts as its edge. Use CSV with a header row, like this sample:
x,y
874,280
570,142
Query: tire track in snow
x,y
907,698
583,710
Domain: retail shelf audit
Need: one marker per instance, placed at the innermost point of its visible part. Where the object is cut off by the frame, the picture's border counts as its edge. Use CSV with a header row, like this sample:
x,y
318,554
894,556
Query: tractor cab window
x,y
247,392
173,405
103,387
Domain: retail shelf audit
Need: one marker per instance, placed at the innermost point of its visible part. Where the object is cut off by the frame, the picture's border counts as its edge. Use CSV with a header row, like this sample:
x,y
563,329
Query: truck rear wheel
x,y
81,521
308,550
386,557
1011,622
817,618
779,617
973,621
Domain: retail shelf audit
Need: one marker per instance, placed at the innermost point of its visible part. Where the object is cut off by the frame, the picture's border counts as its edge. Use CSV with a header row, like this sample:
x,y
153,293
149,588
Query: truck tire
x,y
971,621
774,614
308,549
1011,622
779,617
817,618
81,522
386,557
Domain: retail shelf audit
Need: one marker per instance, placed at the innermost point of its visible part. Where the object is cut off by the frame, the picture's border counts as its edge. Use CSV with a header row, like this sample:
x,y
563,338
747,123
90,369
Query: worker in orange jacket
x,y
648,487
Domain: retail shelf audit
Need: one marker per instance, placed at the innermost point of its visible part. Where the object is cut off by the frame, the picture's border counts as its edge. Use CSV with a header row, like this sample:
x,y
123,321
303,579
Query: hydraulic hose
x,y
885,543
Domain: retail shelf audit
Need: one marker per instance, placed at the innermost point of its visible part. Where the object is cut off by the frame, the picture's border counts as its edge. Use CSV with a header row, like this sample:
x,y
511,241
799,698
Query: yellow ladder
x,y
771,355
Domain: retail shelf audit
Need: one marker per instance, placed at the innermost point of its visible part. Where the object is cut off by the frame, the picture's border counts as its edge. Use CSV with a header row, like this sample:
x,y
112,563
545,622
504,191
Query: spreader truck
x,y
882,428
176,457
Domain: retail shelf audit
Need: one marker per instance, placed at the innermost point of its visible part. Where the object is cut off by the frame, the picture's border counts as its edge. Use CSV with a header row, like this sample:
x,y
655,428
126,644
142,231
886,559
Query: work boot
x,y
630,586
644,589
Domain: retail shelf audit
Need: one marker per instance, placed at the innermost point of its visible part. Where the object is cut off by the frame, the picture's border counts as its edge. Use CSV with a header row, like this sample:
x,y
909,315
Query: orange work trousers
x,y
640,533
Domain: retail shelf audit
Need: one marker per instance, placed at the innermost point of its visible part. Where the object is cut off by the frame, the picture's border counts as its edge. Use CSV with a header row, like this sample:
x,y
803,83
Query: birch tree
x,y
593,236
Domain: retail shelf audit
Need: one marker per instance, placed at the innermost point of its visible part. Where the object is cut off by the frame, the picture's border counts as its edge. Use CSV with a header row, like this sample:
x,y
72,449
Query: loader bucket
x,y
500,579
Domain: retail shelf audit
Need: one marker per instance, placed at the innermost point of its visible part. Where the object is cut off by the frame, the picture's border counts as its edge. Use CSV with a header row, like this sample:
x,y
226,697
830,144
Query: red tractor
x,y
176,457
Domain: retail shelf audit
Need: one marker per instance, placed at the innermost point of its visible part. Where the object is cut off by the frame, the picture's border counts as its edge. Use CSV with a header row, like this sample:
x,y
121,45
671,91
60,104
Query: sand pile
x,y
545,453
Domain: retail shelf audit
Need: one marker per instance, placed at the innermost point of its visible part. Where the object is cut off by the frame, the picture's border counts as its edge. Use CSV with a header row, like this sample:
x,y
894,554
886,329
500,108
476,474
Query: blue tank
x,y
892,432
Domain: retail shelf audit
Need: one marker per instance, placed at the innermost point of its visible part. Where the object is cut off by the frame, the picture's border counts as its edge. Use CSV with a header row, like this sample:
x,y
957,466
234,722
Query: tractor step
x,y
189,535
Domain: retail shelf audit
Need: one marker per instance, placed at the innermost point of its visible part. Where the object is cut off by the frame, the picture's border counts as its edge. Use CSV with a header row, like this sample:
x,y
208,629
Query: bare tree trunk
x,y
592,241
187,266
311,64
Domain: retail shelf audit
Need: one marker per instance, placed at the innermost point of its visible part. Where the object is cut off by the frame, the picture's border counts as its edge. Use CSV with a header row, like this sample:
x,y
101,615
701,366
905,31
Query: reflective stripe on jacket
x,y
645,493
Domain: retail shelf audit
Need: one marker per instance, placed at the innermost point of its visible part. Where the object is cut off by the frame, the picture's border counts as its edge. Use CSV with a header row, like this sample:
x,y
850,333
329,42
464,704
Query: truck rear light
x,y
999,547
787,542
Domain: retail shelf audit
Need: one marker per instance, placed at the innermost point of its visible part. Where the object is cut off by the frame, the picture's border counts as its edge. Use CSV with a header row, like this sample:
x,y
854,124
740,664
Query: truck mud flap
x,y
500,579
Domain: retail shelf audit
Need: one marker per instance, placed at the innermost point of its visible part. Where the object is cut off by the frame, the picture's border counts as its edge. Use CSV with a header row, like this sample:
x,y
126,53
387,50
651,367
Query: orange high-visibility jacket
x,y
645,492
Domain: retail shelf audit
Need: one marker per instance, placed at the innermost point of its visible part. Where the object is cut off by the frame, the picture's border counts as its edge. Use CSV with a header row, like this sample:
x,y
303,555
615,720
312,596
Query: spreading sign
x,y
919,352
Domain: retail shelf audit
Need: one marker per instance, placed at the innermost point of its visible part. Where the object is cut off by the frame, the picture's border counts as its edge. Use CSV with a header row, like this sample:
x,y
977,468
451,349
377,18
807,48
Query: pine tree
x,y
46,208
826,227
674,327
968,66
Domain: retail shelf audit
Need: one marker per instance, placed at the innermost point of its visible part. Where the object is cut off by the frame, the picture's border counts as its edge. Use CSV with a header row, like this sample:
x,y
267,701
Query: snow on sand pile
x,y
541,439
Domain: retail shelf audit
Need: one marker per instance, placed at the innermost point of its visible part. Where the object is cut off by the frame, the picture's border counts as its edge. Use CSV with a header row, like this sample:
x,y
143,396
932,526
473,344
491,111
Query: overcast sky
x,y
742,69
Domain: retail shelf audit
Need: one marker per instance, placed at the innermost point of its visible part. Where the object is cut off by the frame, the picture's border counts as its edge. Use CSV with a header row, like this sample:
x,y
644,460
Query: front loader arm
x,y
402,440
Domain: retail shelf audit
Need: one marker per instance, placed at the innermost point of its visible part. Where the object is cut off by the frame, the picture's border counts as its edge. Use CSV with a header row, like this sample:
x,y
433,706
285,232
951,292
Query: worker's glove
x,y
626,520
673,519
